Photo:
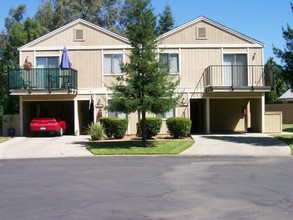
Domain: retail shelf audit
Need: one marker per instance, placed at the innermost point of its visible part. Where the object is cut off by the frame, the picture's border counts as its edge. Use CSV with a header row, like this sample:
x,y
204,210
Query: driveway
x,y
205,145
248,144
44,147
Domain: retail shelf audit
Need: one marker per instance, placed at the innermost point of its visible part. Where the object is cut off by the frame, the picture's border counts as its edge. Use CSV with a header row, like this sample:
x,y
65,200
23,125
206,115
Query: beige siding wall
x,y
228,115
193,64
273,122
88,63
214,36
91,37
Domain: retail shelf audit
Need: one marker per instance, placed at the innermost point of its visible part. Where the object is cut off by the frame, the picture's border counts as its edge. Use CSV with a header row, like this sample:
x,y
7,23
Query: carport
x,y
60,109
222,115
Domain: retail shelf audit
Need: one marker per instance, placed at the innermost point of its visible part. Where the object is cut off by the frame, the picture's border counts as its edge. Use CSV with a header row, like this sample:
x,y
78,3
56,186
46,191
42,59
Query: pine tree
x,y
274,73
166,21
286,55
144,88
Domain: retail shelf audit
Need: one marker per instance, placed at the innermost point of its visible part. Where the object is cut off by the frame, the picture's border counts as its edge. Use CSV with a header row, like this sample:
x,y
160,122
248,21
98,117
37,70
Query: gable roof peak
x,y
70,24
211,22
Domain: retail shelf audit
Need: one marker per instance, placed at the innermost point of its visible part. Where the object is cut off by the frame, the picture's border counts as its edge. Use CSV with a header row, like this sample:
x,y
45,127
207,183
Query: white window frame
x,y
103,63
178,60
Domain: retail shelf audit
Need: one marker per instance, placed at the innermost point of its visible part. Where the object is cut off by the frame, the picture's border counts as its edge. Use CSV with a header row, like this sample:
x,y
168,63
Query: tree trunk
x,y
143,129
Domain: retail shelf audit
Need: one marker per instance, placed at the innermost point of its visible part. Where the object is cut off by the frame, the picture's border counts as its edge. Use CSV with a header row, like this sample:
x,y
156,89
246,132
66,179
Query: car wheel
x,y
60,132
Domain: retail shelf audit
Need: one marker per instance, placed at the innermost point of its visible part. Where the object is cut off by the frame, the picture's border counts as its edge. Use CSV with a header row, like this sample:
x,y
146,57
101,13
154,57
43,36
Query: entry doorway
x,y
85,115
198,115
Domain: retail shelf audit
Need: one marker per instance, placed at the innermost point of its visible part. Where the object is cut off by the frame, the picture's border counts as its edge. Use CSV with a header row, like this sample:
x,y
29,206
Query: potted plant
x,y
10,130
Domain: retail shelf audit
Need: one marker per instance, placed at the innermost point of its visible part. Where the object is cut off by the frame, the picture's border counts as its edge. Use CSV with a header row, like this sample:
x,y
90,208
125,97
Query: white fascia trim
x,y
97,91
216,24
77,21
94,47
224,46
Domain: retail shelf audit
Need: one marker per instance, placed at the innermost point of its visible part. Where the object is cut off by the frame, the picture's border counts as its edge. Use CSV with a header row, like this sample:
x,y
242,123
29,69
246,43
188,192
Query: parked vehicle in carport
x,y
47,125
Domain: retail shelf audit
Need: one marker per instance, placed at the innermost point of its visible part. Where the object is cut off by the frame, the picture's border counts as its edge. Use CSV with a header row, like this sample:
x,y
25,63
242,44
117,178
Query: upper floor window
x,y
170,61
47,62
112,63
168,114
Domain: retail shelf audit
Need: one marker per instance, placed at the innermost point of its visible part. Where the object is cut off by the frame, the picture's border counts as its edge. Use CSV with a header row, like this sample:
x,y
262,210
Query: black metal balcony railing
x,y
232,77
42,79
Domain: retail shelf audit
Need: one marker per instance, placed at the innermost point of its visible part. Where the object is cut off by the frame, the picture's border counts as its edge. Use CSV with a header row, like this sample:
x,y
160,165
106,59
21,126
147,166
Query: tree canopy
x,y
145,87
286,55
166,20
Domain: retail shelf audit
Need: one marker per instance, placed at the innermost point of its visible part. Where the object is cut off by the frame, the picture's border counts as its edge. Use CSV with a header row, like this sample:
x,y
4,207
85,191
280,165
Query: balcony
x,y
42,79
238,78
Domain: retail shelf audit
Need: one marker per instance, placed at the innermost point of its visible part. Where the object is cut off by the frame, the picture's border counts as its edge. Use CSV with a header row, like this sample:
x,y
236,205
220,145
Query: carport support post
x,y
263,124
21,115
76,121
208,129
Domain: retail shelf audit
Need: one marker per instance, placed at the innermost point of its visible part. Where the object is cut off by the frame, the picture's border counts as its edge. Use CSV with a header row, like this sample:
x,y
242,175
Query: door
x,y
44,77
235,70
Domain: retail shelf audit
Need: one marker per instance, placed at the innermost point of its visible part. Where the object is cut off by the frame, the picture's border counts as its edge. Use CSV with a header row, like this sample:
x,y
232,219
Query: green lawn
x,y
3,139
288,127
134,147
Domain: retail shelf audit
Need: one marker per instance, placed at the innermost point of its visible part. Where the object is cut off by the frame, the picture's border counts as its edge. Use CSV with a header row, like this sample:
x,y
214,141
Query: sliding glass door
x,y
235,70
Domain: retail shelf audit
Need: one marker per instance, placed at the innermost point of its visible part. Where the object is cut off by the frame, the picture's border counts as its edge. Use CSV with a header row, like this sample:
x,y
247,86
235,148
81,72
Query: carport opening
x,y
59,109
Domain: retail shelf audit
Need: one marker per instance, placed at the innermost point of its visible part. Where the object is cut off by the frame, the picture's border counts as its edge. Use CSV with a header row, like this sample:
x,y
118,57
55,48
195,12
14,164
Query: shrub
x,y
106,122
119,127
178,127
96,131
153,126
116,127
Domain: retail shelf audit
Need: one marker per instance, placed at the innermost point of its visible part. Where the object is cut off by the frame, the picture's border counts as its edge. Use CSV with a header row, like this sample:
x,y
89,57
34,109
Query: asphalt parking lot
x,y
147,188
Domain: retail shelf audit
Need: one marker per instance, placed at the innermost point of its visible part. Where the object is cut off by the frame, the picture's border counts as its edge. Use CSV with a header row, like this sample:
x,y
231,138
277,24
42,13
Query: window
x,y
170,61
116,114
112,63
168,114
47,62
78,34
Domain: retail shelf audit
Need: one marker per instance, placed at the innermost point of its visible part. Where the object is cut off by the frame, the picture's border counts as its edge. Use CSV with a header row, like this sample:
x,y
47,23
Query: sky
x,y
259,19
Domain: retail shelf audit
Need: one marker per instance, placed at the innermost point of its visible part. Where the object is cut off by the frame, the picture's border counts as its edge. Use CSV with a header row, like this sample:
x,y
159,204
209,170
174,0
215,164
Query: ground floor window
x,y
168,114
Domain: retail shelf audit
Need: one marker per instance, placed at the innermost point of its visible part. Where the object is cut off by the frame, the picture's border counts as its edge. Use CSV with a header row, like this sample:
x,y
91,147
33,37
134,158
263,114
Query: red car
x,y
48,125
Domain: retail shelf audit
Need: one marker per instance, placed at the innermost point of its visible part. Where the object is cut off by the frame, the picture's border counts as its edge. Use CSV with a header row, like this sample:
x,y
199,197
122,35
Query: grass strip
x,y
3,139
135,148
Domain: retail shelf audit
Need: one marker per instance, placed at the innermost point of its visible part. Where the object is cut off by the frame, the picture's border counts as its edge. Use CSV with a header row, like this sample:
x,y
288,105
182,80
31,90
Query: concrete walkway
x,y
44,147
248,144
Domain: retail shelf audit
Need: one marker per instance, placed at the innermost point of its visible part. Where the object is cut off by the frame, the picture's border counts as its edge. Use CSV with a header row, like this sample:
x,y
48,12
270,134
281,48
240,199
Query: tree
x,y
274,73
144,88
53,14
19,31
166,21
109,14
286,55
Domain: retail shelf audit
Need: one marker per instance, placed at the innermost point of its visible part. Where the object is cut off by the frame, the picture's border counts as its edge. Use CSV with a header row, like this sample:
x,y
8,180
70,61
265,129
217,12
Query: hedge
x,y
114,127
153,126
178,127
